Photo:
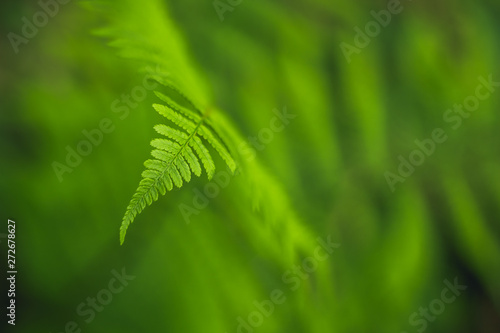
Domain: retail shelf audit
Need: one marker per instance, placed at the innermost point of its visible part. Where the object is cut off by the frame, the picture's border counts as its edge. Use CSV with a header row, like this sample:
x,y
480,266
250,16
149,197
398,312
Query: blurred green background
x,y
323,176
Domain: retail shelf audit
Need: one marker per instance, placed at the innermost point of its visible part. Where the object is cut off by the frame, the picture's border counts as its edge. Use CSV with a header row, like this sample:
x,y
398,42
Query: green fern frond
x,y
182,151
176,156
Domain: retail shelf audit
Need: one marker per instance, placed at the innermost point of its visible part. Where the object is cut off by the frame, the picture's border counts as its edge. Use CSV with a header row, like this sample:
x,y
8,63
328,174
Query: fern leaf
x,y
176,157
204,155
171,133
207,135
192,161
171,112
188,113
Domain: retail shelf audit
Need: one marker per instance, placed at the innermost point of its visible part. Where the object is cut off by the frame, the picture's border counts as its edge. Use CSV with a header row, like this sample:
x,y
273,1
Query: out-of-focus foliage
x,y
323,175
